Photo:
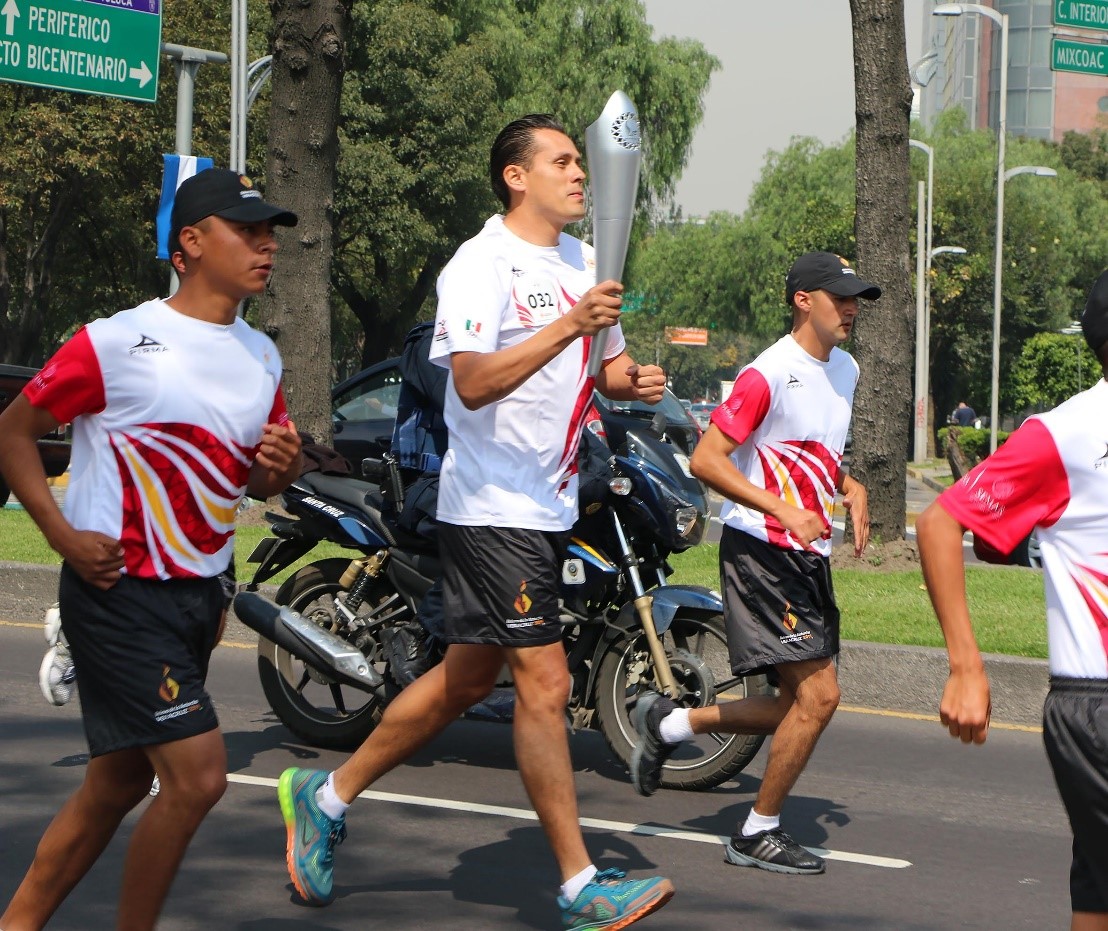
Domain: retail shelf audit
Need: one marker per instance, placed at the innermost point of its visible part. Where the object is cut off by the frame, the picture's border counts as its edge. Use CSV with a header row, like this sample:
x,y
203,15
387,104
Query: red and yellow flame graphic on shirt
x,y
181,485
1093,586
803,473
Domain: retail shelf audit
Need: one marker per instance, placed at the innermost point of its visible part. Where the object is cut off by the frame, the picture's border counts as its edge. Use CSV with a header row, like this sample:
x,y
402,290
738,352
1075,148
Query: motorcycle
x,y
321,657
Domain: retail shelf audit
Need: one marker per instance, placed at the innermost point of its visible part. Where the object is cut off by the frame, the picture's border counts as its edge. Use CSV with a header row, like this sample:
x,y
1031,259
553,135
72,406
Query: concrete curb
x,y
920,476
876,676
911,679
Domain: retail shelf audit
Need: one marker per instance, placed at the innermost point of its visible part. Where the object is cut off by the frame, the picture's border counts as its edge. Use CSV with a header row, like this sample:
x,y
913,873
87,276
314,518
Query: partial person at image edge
x,y
1050,476
177,411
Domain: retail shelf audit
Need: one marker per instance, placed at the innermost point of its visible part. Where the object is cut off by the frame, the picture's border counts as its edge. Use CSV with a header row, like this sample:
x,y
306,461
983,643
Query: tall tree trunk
x,y
884,333
308,44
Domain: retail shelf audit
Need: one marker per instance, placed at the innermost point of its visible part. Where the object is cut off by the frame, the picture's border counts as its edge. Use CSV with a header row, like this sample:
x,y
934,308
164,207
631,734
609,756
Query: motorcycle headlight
x,y
685,520
684,514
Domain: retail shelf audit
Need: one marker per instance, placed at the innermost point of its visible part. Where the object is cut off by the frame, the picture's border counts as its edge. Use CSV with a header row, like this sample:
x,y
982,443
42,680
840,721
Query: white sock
x,y
328,799
572,887
675,726
756,823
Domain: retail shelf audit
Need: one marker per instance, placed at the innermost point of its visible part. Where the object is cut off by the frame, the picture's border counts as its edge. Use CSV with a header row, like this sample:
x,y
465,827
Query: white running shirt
x,y
167,415
789,413
1051,475
513,463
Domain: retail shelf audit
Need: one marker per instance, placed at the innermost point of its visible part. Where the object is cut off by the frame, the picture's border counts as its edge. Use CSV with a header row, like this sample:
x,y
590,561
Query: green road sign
x,y
109,47
1081,14
1079,57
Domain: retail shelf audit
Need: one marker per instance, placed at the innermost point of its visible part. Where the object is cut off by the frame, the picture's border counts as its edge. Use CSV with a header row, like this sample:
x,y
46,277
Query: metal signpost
x,y
1079,57
106,47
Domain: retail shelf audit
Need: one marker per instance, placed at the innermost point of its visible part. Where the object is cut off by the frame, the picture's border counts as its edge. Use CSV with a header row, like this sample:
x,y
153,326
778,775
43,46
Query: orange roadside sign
x,y
686,336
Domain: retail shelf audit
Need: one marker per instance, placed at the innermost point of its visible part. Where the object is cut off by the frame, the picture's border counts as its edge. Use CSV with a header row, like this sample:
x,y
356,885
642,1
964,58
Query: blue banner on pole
x,y
177,168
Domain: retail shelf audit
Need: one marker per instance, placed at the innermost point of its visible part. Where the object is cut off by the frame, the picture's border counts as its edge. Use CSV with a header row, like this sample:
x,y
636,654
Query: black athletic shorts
x,y
141,650
500,585
1075,732
778,604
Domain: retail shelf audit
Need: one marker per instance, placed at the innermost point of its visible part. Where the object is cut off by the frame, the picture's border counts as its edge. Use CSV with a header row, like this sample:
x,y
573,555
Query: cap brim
x,y
254,211
851,286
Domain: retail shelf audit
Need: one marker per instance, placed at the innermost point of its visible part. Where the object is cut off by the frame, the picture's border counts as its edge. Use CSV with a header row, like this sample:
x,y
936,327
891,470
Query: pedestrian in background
x,y
177,411
963,415
774,450
1050,476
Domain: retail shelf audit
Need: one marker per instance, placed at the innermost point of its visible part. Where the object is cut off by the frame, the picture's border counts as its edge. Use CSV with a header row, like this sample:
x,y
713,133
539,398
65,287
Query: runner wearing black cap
x,y
774,450
177,411
1051,475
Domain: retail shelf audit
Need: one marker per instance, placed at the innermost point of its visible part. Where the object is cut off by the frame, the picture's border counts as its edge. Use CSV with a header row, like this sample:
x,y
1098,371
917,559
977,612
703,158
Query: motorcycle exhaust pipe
x,y
324,651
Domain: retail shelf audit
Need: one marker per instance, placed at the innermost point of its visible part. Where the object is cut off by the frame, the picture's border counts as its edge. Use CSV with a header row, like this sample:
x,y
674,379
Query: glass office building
x,y
1042,103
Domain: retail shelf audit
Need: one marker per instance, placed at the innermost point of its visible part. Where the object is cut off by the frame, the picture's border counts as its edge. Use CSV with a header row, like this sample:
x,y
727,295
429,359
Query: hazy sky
x,y
786,70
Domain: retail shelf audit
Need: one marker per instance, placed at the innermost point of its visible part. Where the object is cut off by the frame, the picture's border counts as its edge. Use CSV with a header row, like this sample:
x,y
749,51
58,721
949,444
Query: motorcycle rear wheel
x,y
321,712
696,645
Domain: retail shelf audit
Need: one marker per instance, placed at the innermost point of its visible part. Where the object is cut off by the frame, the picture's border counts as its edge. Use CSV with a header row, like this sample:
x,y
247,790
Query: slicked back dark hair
x,y
516,146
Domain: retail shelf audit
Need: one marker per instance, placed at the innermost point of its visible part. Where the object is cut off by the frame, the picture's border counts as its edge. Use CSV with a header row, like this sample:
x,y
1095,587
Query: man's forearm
x,y
481,378
265,482
940,548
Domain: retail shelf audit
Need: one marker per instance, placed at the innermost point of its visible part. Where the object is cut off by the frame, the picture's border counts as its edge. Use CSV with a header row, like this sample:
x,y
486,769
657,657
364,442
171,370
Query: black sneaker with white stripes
x,y
774,851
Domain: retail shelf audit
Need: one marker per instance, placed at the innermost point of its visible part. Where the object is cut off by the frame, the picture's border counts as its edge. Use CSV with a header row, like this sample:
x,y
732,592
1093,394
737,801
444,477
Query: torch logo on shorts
x,y
523,600
169,688
790,620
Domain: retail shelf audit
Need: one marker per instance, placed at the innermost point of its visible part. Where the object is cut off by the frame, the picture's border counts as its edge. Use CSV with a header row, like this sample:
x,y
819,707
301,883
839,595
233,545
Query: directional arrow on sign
x,y
142,74
10,12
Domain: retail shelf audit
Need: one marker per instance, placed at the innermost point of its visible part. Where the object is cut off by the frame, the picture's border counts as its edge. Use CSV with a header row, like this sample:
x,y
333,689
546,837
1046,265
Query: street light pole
x,y
919,407
923,274
1001,19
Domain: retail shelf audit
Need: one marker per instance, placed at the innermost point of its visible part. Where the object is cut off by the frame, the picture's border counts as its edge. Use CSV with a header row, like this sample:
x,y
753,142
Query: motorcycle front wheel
x,y
696,645
322,712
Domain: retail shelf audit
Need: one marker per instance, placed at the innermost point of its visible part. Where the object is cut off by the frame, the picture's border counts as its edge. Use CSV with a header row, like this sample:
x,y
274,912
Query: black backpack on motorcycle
x,y
420,437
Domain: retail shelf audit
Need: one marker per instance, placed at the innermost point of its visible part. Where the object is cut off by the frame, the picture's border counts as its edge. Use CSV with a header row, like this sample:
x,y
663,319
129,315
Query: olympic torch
x,y
615,156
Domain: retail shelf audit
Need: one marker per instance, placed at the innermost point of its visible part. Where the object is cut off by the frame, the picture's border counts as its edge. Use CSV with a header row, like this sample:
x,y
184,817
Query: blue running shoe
x,y
312,836
611,902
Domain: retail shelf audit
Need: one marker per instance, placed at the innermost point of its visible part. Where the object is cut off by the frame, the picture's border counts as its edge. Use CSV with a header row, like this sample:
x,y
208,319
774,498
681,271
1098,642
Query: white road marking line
x,y
625,827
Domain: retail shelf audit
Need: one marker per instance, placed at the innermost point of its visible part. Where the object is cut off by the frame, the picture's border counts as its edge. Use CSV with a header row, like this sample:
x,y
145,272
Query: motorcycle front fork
x,y
643,607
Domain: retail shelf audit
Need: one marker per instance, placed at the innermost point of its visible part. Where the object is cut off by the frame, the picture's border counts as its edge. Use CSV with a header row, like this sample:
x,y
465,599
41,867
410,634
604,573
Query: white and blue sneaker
x,y
57,676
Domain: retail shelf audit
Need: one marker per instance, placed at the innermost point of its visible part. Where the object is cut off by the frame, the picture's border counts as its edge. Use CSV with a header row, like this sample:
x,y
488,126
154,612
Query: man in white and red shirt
x,y
177,411
774,451
518,306
1050,476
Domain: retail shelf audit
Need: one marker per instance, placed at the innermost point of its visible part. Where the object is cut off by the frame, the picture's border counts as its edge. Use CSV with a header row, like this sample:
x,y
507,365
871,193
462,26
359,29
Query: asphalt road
x,y
923,833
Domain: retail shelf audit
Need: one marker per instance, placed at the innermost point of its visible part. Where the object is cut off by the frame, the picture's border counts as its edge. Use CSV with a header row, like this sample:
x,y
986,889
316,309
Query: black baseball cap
x,y
220,192
825,271
1094,320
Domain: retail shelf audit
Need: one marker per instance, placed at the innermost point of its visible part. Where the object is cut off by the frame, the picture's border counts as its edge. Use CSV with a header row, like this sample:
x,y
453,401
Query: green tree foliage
x,y
1055,240
1052,367
730,270
1086,154
437,81
79,183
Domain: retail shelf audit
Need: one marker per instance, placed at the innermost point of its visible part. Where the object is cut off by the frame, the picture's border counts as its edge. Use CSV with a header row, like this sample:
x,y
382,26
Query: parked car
x,y
702,413
53,448
363,411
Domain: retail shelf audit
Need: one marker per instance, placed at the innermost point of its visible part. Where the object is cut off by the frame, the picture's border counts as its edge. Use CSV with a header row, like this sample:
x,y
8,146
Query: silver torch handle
x,y
614,152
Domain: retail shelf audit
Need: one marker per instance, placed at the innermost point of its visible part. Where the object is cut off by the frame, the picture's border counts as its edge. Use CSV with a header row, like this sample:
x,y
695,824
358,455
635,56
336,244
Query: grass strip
x,y
1006,602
